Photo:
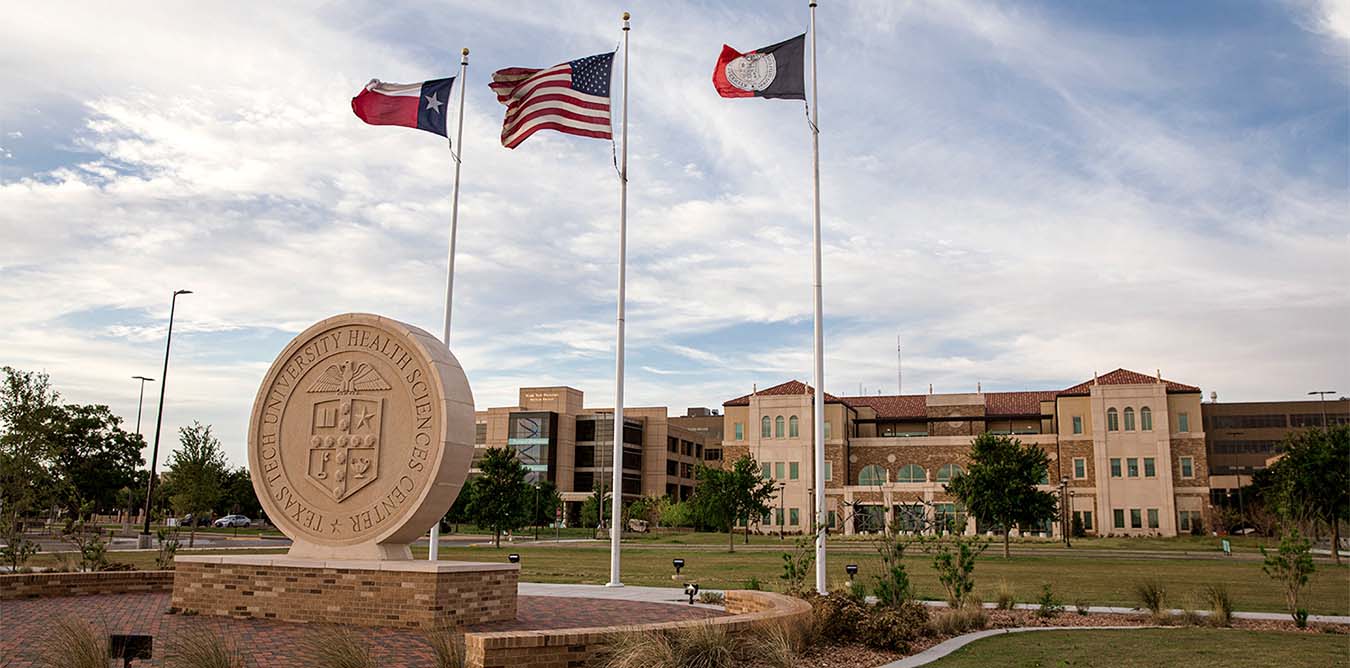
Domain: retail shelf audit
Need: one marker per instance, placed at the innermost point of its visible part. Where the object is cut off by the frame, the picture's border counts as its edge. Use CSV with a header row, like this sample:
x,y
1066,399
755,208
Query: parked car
x,y
233,521
188,520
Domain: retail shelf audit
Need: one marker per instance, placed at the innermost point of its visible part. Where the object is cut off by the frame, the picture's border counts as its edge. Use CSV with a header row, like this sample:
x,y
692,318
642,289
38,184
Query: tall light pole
x,y
782,519
140,402
1323,394
144,539
1064,508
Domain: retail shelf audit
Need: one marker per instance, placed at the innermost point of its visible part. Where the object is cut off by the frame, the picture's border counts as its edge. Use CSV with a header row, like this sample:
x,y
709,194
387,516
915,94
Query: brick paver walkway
x,y
267,644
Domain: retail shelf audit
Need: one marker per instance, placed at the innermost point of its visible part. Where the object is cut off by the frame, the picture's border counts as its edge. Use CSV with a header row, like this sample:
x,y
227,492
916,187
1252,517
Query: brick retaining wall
x,y
422,594
574,647
40,585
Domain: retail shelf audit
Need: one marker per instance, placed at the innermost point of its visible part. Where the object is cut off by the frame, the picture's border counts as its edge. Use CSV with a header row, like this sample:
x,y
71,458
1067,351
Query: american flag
x,y
572,97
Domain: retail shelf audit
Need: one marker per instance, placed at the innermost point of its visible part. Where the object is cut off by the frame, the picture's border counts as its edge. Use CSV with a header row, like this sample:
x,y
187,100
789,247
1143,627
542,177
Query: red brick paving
x,y
269,644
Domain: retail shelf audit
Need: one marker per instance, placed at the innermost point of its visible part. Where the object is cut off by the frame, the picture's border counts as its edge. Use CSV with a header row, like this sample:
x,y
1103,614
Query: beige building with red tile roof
x,y
1127,453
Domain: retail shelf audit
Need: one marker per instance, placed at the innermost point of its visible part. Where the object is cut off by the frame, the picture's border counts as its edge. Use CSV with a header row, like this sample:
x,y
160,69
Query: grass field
x,y
1096,578
1147,648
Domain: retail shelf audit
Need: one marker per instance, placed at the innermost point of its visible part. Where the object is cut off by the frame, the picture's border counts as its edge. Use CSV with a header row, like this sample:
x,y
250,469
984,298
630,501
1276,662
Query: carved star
x,y
433,104
363,418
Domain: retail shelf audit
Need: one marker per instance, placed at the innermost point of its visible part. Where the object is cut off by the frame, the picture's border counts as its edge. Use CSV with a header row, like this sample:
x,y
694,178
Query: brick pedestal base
x,y
409,594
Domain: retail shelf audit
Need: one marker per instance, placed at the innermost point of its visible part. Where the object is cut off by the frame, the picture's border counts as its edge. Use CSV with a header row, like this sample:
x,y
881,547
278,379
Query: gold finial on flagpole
x,y
464,51
626,16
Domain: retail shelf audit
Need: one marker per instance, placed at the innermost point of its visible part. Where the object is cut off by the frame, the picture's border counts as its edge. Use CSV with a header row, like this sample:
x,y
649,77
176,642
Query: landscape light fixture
x,y
513,558
852,570
691,590
679,563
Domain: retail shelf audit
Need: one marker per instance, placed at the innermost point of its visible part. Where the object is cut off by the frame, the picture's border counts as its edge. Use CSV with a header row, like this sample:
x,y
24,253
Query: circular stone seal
x,y
361,437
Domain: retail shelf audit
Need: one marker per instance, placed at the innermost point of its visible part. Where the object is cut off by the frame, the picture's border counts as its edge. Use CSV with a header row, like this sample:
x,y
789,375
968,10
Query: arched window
x,y
1129,419
792,426
911,473
872,475
1145,419
778,427
948,471
1112,420
764,427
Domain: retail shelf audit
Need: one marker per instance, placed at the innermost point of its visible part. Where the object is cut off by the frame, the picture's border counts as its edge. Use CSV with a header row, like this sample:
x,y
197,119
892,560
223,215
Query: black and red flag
x,y
775,71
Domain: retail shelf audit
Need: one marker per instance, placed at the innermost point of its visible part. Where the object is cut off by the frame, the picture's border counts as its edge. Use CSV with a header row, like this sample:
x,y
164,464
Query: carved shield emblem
x,y
344,453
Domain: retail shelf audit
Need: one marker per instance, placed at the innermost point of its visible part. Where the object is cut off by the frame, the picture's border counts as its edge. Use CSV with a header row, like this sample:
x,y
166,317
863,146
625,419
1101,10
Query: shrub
x,y
336,647
956,621
200,648
1301,618
448,646
954,561
1220,604
168,548
1290,565
1006,596
857,589
1049,606
753,584
893,587
838,616
73,643
798,565
893,627
1082,606
712,597
18,549
93,551
1152,597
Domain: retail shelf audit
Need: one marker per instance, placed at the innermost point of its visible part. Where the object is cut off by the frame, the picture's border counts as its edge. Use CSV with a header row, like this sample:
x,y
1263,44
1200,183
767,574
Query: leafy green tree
x,y
28,407
238,496
1291,565
198,471
1312,479
542,503
592,508
499,491
93,457
459,511
999,486
726,495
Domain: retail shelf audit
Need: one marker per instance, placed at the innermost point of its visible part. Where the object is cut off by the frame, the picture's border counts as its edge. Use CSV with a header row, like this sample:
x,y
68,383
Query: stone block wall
x,y
423,595
41,585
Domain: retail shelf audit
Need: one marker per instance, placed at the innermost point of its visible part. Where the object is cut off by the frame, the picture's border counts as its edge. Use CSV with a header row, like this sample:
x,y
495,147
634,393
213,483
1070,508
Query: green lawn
x,y
1147,648
1178,544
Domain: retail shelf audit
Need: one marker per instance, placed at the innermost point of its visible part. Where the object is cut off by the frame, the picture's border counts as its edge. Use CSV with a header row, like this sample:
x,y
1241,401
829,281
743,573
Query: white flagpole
x,y
434,542
818,418
616,489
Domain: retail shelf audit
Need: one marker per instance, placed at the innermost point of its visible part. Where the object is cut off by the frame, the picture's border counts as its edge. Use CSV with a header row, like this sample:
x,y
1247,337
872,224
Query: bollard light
x,y
513,558
691,590
852,571
679,563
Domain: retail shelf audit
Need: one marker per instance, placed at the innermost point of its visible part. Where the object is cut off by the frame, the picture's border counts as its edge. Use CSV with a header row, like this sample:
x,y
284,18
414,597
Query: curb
x,y
952,644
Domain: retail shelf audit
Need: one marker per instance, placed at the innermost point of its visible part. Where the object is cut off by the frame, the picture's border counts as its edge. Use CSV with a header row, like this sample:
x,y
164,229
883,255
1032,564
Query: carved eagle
x,y
348,379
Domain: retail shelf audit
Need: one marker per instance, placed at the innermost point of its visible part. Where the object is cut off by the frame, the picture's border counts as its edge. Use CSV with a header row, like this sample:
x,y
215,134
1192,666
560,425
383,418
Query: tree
x,y
93,457
198,471
542,503
238,496
726,495
999,487
28,407
498,493
593,508
1290,566
1312,479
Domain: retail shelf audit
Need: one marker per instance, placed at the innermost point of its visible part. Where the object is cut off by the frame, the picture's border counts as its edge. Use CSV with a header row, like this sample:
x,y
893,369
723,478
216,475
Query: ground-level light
x,y
679,563
852,570
513,558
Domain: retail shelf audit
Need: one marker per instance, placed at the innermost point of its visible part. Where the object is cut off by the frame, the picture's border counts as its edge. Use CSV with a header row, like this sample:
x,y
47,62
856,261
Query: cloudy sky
x,y
1025,192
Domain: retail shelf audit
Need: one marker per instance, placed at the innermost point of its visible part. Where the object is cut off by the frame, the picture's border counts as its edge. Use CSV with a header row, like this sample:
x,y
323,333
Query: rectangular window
x,y
1119,516
832,517
1115,467
1077,424
740,431
1087,520
778,471
1079,468
829,470
1136,519
794,517
827,430
793,471
1153,518
765,470
1183,422
778,516
1132,467
1187,467
1150,469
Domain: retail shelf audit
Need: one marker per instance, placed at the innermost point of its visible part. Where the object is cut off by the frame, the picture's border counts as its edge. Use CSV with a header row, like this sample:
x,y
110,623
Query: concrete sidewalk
x,y
673,594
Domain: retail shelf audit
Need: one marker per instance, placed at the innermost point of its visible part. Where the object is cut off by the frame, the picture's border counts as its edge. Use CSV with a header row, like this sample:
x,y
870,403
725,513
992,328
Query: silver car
x,y
233,521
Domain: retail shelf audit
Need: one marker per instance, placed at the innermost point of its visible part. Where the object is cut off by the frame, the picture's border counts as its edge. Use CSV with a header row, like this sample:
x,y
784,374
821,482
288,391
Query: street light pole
x,y
141,401
144,540
1323,394
782,518
1064,507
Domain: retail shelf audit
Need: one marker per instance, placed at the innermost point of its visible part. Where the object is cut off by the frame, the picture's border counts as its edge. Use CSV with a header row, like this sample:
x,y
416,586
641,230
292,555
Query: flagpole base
x,y
614,585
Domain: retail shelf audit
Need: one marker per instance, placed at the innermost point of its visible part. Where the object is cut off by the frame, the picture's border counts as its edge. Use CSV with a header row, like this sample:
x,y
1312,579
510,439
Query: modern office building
x,y
1127,452
561,441
1242,436
706,422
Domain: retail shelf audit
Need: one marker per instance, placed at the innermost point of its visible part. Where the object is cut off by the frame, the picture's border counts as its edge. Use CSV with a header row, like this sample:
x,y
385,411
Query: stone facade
x,y
41,585
569,648
409,594
1195,449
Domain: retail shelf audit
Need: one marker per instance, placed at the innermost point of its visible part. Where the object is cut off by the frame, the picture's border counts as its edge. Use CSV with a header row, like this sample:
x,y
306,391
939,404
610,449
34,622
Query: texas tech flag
x,y
772,71
421,105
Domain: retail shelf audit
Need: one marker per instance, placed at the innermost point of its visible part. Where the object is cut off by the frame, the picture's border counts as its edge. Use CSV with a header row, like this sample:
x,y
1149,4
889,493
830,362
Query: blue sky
x,y
1025,192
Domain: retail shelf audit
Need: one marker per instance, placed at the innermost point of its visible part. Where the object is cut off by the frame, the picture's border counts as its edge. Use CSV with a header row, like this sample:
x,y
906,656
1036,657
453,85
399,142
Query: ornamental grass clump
x,y
335,647
782,645
1220,604
74,643
956,621
1152,596
448,646
1006,596
202,648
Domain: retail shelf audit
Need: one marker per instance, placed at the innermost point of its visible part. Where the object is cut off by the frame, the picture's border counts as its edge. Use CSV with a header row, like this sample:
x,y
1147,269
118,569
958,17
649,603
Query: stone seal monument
x,y
360,439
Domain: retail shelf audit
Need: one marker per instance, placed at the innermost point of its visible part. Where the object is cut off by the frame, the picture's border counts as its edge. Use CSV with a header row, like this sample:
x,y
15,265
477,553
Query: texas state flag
x,y
421,105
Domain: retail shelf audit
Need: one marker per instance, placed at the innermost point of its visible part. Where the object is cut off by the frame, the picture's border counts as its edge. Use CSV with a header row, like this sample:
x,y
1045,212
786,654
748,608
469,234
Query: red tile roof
x,y
1006,404
1126,377
790,387
893,406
